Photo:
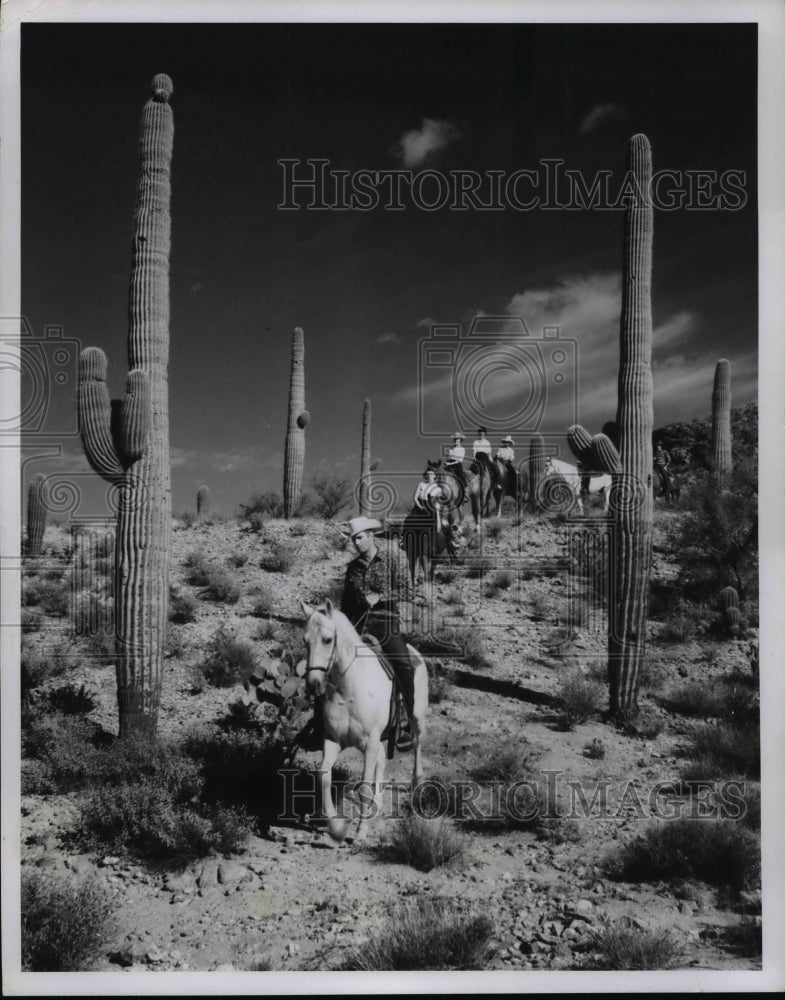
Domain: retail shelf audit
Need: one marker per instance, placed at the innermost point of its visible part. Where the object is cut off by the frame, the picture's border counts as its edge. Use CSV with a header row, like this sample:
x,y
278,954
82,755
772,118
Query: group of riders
x,y
378,578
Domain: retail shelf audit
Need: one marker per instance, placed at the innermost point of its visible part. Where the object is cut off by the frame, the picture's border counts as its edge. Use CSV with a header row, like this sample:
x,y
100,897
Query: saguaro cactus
x,y
128,443
579,441
720,420
536,469
202,502
365,462
37,502
634,420
294,452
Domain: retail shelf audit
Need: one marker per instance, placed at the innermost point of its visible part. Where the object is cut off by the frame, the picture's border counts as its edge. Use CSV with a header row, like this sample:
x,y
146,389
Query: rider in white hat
x,y
506,455
376,580
455,456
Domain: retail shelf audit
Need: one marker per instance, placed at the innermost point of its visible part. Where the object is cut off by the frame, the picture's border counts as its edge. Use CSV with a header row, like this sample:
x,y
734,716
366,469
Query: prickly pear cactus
x,y
37,502
294,451
634,420
365,462
720,420
128,444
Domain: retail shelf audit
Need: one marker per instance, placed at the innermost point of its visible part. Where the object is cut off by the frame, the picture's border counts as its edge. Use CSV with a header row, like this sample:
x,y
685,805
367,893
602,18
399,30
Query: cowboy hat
x,y
507,440
458,436
482,430
358,524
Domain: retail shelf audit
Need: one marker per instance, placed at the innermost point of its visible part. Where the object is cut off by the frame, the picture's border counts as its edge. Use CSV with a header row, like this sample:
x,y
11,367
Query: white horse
x,y
569,473
358,692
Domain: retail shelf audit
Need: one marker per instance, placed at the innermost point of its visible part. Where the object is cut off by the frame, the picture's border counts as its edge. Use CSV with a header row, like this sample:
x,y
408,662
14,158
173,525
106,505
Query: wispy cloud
x,y
599,115
416,146
388,338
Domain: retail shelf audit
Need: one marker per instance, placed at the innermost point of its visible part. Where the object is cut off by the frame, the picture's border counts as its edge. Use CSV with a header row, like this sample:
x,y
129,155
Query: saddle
x,y
397,711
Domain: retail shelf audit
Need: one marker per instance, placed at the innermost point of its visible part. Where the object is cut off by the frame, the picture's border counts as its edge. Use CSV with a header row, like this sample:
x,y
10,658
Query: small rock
x,y
686,908
155,955
109,861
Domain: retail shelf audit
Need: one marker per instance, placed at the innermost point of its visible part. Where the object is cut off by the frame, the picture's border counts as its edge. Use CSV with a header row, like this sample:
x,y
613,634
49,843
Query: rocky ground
x,y
288,902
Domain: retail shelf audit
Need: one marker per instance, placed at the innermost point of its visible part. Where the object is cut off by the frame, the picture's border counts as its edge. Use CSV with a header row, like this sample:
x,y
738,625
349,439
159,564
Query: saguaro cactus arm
x,y
579,440
95,415
37,503
135,418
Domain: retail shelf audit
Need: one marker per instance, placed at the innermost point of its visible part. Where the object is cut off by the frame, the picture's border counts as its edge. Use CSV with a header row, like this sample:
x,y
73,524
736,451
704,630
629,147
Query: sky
x,y
372,287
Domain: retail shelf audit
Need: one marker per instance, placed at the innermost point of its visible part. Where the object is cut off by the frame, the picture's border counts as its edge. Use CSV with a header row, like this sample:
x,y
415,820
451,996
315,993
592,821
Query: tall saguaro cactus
x,y
128,442
294,452
37,502
720,420
634,421
536,469
365,462
202,502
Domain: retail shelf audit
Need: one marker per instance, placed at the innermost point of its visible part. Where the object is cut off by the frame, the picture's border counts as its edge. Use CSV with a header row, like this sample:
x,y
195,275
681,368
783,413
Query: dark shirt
x,y
387,575
662,459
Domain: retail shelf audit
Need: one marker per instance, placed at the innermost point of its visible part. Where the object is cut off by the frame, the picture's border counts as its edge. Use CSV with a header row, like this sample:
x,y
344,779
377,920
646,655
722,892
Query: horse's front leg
x,y
371,781
336,826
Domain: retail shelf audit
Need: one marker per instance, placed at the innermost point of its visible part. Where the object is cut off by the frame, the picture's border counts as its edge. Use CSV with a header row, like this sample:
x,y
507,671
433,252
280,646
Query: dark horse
x,y
505,487
436,531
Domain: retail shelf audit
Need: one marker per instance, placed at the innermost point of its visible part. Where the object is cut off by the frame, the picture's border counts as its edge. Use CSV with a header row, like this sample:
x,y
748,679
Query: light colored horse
x,y
357,693
569,473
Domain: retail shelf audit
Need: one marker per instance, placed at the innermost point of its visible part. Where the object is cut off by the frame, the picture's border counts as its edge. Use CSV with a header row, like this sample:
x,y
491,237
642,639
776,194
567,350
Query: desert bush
x,y
721,852
280,558
182,608
196,682
623,949
480,567
197,569
263,601
71,700
159,812
493,529
52,596
580,699
439,686
472,646
298,530
425,844
446,575
507,761
665,599
237,559
37,666
678,628
425,934
723,750
29,622
266,630
332,494
653,671
64,922
228,660
220,586
745,937
696,698
718,540
453,597
595,749
266,505
187,518
646,725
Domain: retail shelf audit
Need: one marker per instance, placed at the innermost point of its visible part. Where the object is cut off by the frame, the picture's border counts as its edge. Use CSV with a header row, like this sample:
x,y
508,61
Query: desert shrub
x,y
71,700
721,852
52,596
595,750
507,761
453,597
665,598
439,686
228,660
159,811
220,587
678,628
472,647
332,493
646,725
37,666
425,934
266,630
64,922
182,609
267,505
298,530
263,601
280,558
492,529
196,682
425,844
29,622
187,518
446,575
718,540
723,750
197,569
653,671
237,559
623,949
239,766
580,699
696,698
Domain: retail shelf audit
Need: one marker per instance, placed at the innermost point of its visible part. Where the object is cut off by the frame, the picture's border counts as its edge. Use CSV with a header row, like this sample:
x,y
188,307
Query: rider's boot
x,y
404,673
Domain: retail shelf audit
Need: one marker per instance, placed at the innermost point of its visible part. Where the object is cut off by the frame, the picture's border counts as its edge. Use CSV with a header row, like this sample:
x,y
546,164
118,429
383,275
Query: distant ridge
x,y
694,436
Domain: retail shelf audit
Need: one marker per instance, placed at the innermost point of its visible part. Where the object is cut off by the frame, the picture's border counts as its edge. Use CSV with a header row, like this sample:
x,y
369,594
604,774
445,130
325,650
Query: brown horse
x,y
519,490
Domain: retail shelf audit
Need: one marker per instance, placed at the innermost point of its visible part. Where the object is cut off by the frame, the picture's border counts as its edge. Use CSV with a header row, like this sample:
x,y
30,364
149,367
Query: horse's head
x,y
455,537
321,645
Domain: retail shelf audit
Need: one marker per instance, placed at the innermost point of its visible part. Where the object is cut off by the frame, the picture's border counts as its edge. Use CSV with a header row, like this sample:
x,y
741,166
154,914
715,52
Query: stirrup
x,y
404,740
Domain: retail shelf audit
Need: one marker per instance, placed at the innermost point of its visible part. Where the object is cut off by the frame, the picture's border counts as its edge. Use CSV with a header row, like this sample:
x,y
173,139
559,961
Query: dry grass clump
x,y
580,699
64,923
622,949
425,844
427,934
229,660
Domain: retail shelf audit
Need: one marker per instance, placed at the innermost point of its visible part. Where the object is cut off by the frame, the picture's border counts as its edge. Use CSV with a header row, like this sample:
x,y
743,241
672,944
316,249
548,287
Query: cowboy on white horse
x,y
376,580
